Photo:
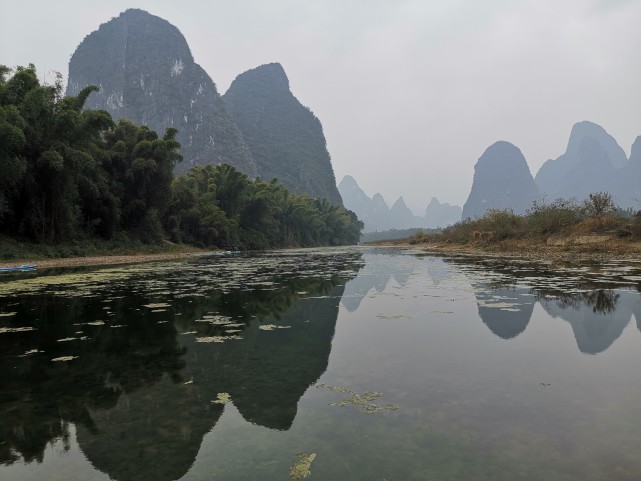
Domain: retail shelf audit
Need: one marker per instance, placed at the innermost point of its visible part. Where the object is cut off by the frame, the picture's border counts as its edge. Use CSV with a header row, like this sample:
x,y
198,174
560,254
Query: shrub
x,y
599,204
502,223
546,219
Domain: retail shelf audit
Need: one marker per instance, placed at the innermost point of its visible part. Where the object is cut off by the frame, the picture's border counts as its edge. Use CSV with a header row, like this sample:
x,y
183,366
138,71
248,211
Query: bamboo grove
x,y
71,173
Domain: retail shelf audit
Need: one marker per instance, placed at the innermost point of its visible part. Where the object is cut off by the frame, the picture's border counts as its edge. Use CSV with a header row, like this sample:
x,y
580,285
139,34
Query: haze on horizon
x,y
410,93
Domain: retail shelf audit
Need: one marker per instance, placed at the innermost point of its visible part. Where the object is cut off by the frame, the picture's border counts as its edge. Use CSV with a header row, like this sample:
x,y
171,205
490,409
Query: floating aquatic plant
x,y
217,338
362,401
4,330
30,352
216,320
271,327
301,469
222,398
158,305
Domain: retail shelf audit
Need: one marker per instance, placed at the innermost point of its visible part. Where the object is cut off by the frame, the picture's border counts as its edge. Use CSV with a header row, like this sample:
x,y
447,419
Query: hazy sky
x,y
410,92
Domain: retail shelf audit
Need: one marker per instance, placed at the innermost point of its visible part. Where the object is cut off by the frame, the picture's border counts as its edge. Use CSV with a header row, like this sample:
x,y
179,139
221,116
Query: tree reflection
x,y
594,304
139,391
602,301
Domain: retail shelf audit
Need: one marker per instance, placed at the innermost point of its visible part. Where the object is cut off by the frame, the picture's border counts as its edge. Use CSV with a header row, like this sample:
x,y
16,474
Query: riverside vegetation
x,y
595,225
74,176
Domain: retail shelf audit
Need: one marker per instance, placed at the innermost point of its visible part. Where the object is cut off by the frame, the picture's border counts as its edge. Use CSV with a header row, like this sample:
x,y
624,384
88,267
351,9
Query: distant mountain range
x,y
592,162
377,216
146,73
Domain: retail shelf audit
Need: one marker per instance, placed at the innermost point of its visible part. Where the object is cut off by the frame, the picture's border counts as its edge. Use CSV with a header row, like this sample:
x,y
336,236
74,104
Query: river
x,y
338,364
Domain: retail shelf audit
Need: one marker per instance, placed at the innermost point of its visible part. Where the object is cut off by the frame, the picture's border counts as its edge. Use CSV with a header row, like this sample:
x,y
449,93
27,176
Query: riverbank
x,y
612,249
14,253
103,260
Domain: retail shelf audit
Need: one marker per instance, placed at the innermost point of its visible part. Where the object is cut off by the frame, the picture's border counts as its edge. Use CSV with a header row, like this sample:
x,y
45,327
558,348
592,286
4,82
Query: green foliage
x,y
67,173
220,206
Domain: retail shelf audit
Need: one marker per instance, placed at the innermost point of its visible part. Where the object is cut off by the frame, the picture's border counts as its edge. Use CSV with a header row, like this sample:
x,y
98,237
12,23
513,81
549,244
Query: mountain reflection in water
x,y
140,391
108,364
597,305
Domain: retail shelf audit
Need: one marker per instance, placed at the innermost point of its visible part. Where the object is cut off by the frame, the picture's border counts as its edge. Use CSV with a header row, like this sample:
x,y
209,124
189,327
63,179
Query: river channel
x,y
360,363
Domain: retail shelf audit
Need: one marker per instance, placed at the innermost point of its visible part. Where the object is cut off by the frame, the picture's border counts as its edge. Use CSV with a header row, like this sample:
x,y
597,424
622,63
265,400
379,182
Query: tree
x,y
598,204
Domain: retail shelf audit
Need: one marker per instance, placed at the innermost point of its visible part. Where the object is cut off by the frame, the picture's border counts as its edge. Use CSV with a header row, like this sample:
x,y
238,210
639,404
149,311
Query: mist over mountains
x,y
592,162
146,72
377,216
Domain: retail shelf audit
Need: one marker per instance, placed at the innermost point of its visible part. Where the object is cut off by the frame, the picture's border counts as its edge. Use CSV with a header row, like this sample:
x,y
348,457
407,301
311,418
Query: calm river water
x,y
341,364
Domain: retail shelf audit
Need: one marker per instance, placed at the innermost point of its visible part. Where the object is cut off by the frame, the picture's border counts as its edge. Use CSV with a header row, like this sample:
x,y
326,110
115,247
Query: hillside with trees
x,y
69,173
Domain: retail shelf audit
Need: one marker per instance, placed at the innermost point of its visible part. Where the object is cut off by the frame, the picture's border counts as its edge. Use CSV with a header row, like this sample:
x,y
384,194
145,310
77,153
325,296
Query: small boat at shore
x,y
23,267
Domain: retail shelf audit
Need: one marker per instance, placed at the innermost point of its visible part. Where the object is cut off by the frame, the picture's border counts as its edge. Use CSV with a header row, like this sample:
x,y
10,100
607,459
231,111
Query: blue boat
x,y
23,267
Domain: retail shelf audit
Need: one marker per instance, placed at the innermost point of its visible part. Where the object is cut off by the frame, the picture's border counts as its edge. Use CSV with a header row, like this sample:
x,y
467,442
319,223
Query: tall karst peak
x,y
565,176
587,129
271,76
285,137
146,73
502,180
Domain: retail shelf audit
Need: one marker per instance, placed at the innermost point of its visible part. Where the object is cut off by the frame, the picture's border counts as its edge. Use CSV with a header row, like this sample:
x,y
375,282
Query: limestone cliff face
x,y
285,138
146,73
591,163
502,180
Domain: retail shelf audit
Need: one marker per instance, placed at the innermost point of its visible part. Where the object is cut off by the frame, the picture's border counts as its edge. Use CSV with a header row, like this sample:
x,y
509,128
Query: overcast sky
x,y
410,92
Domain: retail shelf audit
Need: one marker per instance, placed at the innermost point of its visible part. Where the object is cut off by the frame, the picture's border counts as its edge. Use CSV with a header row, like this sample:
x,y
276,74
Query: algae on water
x,y
271,327
301,469
362,401
216,338
222,398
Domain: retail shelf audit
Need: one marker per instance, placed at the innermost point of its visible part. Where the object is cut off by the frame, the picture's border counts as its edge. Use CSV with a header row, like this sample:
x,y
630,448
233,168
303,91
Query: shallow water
x,y
384,364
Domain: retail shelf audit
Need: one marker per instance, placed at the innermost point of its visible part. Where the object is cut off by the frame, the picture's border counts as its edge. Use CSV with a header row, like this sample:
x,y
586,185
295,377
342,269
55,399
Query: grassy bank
x,y
594,228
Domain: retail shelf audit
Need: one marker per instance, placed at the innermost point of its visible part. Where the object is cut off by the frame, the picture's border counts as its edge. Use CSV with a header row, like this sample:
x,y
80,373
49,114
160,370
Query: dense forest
x,y
70,173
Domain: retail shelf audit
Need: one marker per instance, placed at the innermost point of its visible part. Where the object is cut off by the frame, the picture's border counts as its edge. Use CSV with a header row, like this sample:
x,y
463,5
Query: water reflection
x,y
506,312
597,317
375,276
139,387
597,302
